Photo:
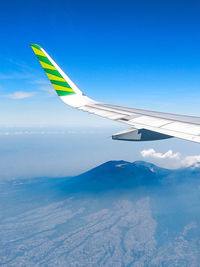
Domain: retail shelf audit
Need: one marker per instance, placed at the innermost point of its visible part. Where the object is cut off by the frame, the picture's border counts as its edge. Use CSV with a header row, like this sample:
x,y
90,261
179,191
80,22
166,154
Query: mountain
x,y
117,214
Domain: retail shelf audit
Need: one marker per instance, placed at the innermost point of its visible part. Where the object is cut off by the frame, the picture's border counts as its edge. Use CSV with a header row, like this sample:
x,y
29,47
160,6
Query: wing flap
x,y
177,133
183,127
152,121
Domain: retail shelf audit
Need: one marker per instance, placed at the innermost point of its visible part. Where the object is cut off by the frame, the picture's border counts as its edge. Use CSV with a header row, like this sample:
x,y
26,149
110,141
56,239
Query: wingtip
x,y
35,46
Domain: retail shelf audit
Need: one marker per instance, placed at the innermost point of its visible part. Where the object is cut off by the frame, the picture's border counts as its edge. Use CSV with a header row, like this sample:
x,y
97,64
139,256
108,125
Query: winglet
x,y
60,81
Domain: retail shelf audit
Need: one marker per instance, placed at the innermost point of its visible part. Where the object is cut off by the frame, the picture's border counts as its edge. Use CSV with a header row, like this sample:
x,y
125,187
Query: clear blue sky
x,y
134,53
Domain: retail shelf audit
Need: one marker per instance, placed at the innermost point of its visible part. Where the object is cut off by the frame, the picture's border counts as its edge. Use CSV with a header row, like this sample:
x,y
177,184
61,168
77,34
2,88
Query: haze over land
x,y
27,152
118,214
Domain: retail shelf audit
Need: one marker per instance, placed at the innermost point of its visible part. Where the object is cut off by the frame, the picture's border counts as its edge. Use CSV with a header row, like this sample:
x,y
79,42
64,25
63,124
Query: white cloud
x,y
191,161
152,153
21,95
20,76
170,159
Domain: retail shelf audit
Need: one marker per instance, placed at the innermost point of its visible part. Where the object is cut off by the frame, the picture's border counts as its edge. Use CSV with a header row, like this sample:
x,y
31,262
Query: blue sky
x,y
134,53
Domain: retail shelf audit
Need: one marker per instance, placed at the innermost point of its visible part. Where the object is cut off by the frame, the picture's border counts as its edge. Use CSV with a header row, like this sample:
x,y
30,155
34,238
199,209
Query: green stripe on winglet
x,y
44,59
54,72
36,46
62,93
65,84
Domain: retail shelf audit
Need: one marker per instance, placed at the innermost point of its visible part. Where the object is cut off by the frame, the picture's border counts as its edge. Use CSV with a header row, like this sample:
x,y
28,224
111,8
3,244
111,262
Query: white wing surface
x,y
145,125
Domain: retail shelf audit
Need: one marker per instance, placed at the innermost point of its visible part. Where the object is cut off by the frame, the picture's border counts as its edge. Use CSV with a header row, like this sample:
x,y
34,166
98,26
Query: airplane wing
x,y
144,125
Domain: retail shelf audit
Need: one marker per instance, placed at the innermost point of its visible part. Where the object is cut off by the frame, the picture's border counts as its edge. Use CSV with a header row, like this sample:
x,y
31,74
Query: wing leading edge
x,y
145,125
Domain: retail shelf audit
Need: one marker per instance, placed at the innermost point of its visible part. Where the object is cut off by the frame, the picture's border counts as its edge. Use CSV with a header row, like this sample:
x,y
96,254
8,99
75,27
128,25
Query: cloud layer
x,y
21,95
152,153
170,159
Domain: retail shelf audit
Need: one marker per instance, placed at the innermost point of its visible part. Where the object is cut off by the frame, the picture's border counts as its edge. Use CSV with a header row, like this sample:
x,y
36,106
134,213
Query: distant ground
x,y
118,214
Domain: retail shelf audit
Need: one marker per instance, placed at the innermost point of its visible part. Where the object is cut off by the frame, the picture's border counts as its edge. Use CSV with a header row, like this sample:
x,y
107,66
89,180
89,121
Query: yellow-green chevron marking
x,y
59,83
